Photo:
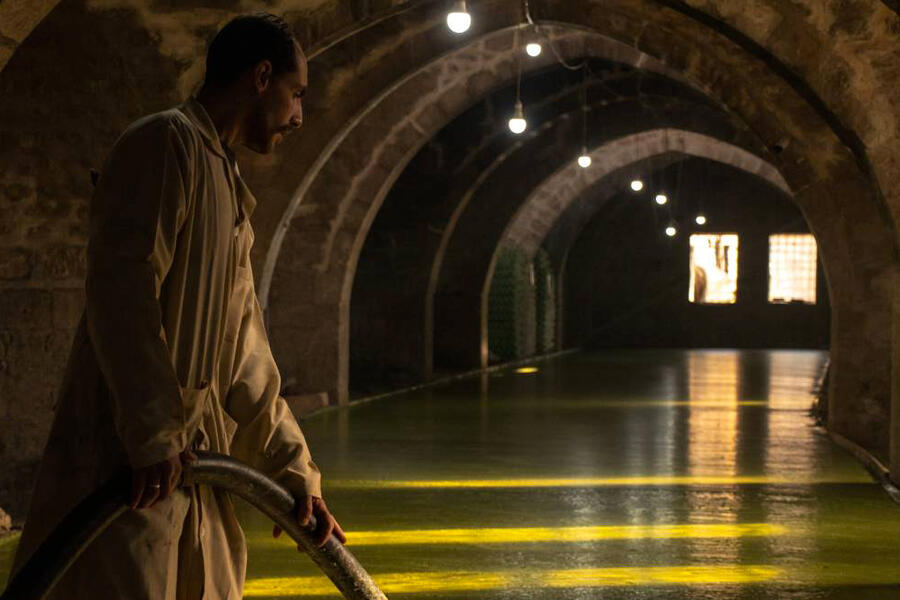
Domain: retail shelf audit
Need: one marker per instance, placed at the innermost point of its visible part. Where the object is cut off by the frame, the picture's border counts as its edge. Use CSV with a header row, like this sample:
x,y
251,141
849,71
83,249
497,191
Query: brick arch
x,y
547,202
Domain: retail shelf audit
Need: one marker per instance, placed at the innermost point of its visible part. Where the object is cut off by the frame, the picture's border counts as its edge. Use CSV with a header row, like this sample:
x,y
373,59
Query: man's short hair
x,y
247,40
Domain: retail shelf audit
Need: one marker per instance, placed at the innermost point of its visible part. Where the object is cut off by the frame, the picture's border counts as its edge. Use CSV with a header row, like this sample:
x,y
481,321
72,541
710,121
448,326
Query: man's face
x,y
278,109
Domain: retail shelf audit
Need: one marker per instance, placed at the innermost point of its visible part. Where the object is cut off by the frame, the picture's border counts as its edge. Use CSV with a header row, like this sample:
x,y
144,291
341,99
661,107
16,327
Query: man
x,y
171,355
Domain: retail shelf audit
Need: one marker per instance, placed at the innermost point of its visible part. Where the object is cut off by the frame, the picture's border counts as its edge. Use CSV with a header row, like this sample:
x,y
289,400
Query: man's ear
x,y
262,75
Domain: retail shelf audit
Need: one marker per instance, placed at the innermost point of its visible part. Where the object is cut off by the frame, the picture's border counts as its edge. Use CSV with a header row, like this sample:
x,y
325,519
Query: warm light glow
x,y
533,49
436,582
591,482
527,370
656,576
518,124
714,264
792,268
390,583
458,19
671,231
701,220
637,185
517,535
661,199
713,376
584,161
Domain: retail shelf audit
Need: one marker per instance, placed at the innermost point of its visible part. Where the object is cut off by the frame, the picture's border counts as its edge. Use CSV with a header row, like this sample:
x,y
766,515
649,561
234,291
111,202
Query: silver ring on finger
x,y
155,486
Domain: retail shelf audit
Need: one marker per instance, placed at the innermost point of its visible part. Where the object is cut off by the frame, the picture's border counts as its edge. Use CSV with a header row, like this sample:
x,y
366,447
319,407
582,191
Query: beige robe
x,y
171,352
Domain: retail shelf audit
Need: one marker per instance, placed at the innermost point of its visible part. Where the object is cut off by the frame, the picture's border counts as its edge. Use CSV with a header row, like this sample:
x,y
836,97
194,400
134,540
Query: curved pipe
x,y
88,520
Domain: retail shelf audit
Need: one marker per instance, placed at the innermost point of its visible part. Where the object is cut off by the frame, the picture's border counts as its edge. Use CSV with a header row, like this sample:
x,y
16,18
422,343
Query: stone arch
x,y
720,39
730,68
462,266
399,265
358,168
461,273
467,62
18,18
601,242
547,202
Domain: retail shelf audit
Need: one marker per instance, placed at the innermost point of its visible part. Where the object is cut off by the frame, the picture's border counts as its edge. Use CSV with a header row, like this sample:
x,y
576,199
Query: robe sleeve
x,y
137,210
267,437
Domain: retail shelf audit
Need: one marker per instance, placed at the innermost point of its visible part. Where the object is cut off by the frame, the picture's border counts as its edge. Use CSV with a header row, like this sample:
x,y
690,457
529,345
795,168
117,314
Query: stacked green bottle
x,y
511,306
545,302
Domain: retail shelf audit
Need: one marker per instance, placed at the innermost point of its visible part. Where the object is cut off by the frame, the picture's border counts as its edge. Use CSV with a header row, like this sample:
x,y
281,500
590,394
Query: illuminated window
x,y
792,268
714,268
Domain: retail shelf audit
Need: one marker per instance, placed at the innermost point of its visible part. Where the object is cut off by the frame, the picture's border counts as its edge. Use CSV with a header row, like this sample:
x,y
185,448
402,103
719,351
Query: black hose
x,y
93,514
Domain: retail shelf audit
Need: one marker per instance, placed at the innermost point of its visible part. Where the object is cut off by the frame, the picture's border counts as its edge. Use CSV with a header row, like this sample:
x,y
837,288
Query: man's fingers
x,y
276,531
324,527
188,455
304,511
326,524
339,532
138,482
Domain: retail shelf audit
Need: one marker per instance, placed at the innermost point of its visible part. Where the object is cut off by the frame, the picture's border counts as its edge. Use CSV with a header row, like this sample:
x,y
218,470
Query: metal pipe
x,y
90,517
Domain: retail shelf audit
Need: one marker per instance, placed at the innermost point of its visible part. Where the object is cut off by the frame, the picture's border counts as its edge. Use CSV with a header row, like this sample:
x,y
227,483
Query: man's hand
x,y
325,522
151,484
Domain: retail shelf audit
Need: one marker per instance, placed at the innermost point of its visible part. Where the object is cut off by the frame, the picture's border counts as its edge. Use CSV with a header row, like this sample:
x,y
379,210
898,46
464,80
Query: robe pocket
x,y
193,402
230,426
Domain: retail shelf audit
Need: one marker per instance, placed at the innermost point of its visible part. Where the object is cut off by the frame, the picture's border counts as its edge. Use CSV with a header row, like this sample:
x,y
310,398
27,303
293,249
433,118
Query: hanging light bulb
x,y
518,124
637,185
584,161
661,199
458,19
671,231
533,49
701,220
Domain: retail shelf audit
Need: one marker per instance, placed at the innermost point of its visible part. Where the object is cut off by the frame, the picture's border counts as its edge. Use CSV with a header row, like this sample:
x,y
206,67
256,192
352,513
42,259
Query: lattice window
x,y
714,267
792,268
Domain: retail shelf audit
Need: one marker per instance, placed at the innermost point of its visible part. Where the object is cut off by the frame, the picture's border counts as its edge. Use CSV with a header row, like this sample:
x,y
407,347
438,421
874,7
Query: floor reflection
x,y
638,474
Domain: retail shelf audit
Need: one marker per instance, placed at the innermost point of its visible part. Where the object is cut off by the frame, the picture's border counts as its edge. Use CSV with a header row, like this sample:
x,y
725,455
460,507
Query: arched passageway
x,y
820,176
627,284
400,268
805,86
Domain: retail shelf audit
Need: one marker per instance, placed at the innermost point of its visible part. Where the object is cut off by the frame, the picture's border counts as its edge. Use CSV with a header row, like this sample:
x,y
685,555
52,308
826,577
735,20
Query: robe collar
x,y
201,119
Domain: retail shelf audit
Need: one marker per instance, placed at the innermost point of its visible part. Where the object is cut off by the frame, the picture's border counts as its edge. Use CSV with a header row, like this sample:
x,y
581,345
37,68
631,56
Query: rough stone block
x,y
15,263
16,192
68,306
26,309
430,118
61,262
